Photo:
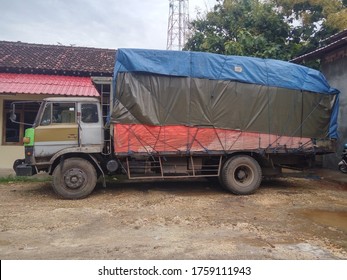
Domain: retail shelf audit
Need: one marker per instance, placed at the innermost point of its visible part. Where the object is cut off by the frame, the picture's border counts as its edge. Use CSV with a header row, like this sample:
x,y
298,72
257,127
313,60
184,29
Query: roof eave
x,y
319,52
21,70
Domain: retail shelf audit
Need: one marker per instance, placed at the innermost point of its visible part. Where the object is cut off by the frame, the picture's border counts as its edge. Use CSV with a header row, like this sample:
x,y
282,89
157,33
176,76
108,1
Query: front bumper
x,y
25,167
24,170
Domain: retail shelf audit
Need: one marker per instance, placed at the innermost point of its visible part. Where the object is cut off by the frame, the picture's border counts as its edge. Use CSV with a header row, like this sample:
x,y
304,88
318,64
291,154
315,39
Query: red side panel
x,y
177,138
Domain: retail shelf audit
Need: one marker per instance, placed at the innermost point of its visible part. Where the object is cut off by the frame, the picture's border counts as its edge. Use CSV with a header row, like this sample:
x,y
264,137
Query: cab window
x,y
56,113
47,115
89,113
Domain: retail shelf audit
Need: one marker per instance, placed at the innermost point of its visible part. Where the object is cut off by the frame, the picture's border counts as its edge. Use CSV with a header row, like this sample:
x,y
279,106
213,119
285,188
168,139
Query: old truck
x,y
185,114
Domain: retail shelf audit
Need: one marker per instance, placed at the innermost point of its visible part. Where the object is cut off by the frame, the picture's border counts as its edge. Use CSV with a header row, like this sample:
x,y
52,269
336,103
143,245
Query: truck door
x,y
57,129
91,130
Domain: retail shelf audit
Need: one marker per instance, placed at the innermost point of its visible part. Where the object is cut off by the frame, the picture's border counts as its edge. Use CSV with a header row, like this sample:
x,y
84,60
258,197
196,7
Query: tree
x,y
279,29
242,27
313,20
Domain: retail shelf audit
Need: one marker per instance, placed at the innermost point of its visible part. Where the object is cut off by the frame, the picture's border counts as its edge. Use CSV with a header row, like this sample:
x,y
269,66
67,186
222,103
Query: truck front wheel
x,y
74,178
241,175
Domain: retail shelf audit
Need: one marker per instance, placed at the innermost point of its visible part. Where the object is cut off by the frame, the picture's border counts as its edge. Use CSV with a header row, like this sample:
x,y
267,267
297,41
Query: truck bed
x,y
178,139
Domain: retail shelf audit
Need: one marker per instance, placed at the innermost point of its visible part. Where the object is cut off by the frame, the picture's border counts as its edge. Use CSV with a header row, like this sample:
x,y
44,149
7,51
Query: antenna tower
x,y
177,31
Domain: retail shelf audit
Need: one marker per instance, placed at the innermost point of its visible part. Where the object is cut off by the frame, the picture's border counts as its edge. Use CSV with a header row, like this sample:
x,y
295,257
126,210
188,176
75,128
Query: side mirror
x,y
13,116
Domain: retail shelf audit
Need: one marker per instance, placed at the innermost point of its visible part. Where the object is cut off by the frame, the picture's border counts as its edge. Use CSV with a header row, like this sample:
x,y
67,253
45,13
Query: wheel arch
x,y
92,159
256,155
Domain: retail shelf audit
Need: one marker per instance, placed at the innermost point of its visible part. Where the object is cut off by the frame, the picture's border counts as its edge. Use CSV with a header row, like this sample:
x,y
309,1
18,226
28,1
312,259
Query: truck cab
x,y
63,125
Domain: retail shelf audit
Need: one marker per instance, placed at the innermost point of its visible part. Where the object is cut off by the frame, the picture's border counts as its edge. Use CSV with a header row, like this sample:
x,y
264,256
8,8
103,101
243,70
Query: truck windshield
x,y
55,113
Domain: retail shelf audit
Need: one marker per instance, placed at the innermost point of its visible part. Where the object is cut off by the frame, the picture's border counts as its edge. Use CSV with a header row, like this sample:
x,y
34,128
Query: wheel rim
x,y
75,178
243,175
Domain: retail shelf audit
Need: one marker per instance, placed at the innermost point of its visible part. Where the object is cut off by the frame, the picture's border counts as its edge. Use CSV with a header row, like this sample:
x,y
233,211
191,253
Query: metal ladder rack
x,y
104,87
105,108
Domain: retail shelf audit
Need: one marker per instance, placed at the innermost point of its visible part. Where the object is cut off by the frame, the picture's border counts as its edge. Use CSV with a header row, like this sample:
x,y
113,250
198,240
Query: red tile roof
x,y
18,57
46,84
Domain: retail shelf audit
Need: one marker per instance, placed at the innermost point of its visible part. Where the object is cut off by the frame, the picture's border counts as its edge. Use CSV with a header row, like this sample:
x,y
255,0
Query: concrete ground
x,y
293,218
331,175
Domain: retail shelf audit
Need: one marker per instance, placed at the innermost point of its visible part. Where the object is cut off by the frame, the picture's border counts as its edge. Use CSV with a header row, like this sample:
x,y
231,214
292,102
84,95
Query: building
x,y
31,72
333,58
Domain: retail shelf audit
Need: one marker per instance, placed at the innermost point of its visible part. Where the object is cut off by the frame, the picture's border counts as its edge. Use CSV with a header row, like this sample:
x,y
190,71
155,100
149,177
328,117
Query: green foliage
x,y
313,20
242,27
279,29
13,179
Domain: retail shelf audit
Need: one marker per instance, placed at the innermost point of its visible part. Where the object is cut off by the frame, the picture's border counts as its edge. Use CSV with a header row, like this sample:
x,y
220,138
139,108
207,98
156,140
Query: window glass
x,y
25,111
12,130
29,119
89,113
47,114
63,113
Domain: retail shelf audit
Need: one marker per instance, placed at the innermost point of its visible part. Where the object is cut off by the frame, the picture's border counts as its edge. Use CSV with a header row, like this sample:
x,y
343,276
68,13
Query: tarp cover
x,y
163,88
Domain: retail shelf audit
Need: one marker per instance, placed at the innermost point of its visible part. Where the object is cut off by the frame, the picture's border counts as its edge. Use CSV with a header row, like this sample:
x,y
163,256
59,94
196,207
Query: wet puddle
x,y
336,219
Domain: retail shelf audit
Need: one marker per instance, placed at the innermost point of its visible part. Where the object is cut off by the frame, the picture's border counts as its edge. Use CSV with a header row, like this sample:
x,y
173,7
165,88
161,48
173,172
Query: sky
x,y
91,23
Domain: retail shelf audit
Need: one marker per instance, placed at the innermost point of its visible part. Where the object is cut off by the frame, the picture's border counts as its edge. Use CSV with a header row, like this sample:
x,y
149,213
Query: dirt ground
x,y
288,218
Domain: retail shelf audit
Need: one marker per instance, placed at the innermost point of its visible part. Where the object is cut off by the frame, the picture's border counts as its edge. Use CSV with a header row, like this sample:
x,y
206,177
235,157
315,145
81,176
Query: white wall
x,y
335,71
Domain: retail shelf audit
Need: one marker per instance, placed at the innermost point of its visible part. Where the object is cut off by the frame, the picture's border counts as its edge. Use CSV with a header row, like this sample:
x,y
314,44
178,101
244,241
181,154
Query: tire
x,y
74,178
343,168
17,162
241,175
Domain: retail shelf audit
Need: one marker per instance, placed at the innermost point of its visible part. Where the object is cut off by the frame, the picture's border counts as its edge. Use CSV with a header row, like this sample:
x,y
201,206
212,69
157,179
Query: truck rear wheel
x,y
241,175
74,178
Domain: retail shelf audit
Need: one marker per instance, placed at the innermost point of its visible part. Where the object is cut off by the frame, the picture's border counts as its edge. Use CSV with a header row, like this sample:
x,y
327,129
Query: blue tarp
x,y
266,72
269,72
